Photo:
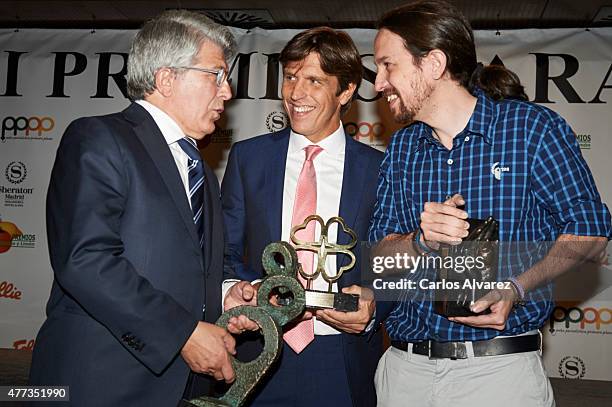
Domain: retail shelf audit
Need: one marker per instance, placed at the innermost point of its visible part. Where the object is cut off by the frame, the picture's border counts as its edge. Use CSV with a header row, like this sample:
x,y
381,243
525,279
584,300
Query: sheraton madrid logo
x,y
276,121
572,367
15,193
15,172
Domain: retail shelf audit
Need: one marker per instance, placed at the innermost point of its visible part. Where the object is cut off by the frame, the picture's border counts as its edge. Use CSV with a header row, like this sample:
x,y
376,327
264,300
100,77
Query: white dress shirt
x,y
329,166
172,134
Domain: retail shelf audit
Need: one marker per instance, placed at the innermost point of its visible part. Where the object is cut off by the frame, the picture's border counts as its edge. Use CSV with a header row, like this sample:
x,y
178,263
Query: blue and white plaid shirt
x,y
515,161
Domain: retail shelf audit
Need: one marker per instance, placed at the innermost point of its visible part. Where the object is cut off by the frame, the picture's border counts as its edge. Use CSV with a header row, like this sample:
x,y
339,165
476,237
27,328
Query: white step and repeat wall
x,y
50,77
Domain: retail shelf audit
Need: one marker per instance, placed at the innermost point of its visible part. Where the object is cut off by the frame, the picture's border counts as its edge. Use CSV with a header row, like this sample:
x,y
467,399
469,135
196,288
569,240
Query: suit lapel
x,y
275,180
350,201
154,143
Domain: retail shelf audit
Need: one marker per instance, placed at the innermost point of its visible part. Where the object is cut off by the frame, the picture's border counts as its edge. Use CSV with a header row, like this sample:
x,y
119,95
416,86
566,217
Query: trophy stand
x,y
316,299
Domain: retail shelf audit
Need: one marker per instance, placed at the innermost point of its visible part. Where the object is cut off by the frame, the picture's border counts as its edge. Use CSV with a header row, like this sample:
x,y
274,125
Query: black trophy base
x,y
454,309
338,301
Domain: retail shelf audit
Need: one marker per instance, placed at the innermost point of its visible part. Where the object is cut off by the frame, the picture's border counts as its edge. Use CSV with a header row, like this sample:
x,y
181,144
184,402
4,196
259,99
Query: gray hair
x,y
173,38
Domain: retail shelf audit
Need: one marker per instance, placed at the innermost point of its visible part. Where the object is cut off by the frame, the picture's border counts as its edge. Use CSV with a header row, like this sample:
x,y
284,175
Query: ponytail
x,y
497,82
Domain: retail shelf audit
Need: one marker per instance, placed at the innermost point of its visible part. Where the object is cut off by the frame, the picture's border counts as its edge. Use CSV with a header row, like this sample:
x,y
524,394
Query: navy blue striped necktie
x,y
196,184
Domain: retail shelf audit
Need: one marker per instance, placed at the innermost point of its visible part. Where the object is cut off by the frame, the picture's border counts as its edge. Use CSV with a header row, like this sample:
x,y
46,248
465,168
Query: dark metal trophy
x,y
271,319
482,241
326,299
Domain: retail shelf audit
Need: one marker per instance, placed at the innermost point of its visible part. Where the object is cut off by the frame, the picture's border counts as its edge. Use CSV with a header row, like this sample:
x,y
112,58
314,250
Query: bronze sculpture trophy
x,y
316,299
271,318
280,261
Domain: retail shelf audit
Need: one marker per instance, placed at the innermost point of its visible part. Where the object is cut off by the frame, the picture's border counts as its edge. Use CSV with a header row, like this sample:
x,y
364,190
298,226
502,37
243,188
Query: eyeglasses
x,y
220,73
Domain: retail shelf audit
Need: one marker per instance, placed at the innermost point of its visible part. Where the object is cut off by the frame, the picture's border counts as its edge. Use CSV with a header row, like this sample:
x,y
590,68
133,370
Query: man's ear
x,y
347,94
164,80
437,61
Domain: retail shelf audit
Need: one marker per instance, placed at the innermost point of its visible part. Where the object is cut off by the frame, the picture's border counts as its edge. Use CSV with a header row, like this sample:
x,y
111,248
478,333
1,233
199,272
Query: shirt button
x,y
467,138
450,161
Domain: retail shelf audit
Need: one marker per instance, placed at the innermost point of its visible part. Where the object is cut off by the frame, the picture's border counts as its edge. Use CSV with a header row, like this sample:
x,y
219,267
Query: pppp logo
x,y
365,130
15,172
587,317
276,121
26,127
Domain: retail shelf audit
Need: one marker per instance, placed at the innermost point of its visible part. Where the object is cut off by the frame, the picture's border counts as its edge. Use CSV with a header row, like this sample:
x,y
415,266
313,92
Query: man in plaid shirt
x,y
473,147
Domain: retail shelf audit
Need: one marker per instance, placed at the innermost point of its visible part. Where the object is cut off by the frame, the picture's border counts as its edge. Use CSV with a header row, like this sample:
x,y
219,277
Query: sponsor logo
x,y
11,236
277,121
25,241
15,195
584,140
26,128
373,132
222,136
572,367
497,170
15,172
8,290
581,320
24,344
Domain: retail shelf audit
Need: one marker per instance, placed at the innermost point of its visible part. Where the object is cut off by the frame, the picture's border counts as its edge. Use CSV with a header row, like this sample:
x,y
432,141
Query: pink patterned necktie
x,y
299,336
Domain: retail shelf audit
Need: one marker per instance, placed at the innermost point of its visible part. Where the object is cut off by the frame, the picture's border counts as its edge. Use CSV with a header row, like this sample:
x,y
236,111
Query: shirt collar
x,y
332,144
478,124
480,120
168,127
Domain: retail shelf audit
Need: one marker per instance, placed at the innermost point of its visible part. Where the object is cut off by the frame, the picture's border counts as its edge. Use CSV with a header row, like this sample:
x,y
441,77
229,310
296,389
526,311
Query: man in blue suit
x,y
263,189
135,230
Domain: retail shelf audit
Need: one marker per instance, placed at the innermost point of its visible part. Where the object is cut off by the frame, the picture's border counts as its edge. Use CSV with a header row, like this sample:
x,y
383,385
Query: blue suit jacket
x,y
252,197
129,272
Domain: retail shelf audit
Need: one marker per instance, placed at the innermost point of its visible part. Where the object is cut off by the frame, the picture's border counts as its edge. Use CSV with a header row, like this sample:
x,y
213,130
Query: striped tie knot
x,y
190,148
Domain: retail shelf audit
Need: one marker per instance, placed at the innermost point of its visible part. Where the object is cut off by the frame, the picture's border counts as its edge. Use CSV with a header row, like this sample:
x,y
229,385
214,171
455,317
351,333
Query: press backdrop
x,y
50,77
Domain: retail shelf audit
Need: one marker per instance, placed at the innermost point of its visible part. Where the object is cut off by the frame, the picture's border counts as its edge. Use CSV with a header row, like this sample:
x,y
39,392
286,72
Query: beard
x,y
405,116
421,92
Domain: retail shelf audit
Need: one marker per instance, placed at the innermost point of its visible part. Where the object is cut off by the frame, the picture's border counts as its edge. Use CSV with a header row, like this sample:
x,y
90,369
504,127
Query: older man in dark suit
x,y
135,230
